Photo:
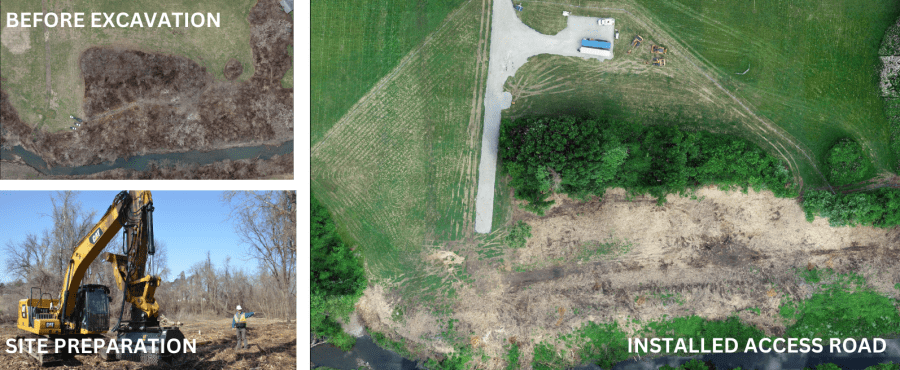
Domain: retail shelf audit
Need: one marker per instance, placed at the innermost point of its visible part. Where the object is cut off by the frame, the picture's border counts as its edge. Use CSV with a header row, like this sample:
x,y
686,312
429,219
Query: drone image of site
x,y
590,184
171,89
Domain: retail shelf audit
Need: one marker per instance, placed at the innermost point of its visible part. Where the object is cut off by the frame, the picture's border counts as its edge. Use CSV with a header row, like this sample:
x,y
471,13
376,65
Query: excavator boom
x,y
82,311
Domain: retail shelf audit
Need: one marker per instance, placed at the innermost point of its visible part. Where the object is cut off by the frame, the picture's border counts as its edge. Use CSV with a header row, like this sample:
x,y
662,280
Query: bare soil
x,y
718,254
273,345
139,103
233,69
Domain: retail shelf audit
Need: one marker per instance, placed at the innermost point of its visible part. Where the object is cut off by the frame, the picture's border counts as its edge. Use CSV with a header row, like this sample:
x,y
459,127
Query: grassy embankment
x,y
61,48
399,171
843,306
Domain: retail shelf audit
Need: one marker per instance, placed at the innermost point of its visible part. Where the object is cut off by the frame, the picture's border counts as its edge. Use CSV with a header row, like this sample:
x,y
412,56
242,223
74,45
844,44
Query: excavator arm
x,y
82,311
86,251
130,270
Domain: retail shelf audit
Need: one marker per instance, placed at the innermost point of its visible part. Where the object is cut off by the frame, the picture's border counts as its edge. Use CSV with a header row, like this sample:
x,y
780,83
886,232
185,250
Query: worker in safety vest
x,y
239,323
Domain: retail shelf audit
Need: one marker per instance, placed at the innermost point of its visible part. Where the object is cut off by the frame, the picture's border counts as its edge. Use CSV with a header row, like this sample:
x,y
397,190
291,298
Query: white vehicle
x,y
593,51
606,21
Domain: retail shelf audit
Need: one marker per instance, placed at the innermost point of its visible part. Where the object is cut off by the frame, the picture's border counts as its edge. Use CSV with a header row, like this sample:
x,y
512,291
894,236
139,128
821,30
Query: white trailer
x,y
594,51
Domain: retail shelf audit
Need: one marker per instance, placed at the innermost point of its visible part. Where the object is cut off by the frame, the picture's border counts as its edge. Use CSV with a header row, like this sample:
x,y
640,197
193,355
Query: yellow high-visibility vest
x,y
240,320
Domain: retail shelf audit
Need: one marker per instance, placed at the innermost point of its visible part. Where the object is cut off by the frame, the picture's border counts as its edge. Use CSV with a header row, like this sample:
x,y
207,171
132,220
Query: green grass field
x,y
287,81
25,72
398,172
813,64
355,44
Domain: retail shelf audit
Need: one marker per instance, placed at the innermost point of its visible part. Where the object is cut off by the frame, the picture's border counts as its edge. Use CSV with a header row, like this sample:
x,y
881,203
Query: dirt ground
x,y
279,167
140,103
273,345
718,254
233,69
15,171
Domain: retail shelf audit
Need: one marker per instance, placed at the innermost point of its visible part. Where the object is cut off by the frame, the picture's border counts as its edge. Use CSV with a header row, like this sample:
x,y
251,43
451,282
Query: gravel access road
x,y
512,43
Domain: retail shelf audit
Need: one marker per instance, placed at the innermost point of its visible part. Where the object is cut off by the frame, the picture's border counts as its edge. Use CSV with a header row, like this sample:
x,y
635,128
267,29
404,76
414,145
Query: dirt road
x,y
273,345
512,43
718,254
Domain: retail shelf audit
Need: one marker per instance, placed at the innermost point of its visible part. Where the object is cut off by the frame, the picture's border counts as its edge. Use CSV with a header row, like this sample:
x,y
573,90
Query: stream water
x,y
365,350
379,358
142,162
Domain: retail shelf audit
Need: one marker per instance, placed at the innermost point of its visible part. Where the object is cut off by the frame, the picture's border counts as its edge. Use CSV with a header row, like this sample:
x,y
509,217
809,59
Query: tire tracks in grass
x,y
761,129
469,174
390,77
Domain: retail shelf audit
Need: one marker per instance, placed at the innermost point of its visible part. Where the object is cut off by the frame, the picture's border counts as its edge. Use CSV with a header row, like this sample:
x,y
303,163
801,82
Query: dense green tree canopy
x,y
848,164
337,278
583,157
880,207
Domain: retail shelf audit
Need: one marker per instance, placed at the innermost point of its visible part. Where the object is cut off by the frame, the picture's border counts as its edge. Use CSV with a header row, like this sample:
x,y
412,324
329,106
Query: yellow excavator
x,y
81,311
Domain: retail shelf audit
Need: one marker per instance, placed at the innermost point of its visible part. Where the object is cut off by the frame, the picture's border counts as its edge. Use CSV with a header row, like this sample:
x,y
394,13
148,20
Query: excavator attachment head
x,y
636,43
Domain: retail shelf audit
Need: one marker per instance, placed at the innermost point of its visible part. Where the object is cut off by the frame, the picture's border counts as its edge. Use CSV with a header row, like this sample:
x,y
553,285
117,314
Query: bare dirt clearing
x,y
16,39
718,254
138,103
273,345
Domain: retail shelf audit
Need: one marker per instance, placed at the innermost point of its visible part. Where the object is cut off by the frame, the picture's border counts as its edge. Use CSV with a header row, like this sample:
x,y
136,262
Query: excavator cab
x,y
92,309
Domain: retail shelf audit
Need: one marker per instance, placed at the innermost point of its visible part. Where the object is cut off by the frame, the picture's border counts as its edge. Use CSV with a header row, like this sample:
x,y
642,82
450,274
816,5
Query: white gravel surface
x,y
512,43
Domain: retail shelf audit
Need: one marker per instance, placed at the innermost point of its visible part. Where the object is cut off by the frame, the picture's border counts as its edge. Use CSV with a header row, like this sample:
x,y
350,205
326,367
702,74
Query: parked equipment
x,y
595,51
636,43
597,44
656,49
81,311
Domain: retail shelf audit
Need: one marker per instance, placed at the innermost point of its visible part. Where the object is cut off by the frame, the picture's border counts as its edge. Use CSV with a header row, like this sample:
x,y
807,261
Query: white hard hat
x,y
239,307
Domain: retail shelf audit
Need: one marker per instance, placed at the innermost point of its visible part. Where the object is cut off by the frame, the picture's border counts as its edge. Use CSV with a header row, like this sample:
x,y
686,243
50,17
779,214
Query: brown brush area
x,y
273,345
141,103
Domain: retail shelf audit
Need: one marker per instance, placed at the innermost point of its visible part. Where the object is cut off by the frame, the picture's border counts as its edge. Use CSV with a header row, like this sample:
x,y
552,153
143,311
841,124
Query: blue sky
x,y
189,222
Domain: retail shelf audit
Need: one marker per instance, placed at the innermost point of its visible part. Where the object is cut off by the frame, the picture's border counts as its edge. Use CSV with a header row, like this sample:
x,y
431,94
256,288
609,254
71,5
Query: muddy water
x,y
365,350
142,162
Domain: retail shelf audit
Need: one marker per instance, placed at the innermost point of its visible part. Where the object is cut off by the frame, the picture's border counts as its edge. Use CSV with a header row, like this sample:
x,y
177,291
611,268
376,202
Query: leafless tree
x,y
42,262
267,223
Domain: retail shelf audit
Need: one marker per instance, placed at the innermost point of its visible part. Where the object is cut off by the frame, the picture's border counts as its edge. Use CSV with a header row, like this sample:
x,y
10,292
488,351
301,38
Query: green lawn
x,y
813,64
26,72
356,43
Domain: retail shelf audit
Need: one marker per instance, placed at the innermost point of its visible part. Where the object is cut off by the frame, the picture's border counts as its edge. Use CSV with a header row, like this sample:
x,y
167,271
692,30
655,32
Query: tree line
x,y
264,221
584,156
337,278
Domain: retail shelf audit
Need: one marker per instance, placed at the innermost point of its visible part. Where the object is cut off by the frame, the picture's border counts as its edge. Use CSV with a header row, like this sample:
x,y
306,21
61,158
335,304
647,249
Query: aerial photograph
x,y
172,89
591,184
140,280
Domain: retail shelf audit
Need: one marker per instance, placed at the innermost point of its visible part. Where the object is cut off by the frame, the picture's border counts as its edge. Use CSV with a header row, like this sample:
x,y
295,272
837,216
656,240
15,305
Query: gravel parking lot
x,y
512,43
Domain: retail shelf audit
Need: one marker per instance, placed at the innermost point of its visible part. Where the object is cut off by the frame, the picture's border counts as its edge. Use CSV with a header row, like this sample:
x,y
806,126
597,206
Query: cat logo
x,y
96,235
49,324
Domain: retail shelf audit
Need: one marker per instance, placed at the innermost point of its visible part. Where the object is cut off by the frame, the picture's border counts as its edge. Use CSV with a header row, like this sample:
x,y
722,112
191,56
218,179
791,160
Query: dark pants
x,y
242,335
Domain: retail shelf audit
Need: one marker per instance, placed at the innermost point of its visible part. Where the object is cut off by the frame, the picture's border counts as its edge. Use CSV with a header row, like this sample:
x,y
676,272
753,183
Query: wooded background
x,y
265,222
